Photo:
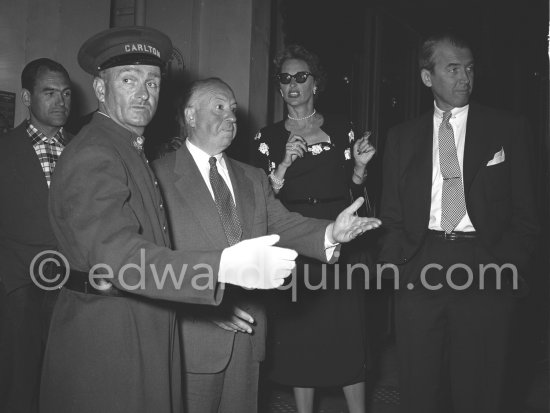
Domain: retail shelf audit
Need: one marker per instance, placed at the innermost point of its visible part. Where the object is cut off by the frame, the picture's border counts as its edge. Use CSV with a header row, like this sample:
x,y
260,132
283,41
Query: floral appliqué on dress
x,y
318,148
263,148
315,149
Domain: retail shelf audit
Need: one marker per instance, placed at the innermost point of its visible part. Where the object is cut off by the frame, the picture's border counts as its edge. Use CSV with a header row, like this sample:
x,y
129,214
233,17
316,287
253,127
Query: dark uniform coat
x,y
117,354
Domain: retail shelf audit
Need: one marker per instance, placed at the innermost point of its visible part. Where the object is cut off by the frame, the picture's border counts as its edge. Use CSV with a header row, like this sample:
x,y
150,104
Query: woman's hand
x,y
363,151
296,147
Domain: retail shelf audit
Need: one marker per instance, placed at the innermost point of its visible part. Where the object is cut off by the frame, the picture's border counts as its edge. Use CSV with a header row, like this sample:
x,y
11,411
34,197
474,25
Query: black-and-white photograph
x,y
274,206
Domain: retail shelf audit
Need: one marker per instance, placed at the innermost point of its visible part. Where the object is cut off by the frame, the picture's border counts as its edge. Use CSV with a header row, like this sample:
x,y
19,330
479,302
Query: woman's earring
x,y
281,92
314,90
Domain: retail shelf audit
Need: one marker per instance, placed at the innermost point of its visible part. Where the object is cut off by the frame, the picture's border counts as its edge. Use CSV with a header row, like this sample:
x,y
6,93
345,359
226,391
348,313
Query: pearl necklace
x,y
305,117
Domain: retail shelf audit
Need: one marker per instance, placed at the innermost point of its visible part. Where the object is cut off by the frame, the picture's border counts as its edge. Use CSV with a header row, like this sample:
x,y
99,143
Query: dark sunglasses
x,y
299,77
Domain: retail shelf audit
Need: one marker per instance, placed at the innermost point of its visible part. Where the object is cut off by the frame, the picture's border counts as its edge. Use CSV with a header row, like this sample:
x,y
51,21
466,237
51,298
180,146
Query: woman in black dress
x,y
315,167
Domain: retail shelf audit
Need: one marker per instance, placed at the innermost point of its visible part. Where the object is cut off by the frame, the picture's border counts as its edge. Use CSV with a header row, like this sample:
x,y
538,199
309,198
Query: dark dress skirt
x,y
317,324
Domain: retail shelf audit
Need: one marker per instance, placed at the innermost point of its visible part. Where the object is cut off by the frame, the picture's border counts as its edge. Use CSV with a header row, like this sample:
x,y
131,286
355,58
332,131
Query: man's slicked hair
x,y
33,69
425,57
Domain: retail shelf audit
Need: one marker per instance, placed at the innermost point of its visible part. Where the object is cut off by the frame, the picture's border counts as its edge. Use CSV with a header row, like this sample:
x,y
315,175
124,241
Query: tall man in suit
x,y
457,194
29,155
223,346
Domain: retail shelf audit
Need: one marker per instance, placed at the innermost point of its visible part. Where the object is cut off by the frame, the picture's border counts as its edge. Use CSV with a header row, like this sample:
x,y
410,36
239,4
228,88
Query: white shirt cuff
x,y
330,247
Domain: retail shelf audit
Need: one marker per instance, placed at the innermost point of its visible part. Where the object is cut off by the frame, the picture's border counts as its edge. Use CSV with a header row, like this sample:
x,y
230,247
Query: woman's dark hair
x,y
296,51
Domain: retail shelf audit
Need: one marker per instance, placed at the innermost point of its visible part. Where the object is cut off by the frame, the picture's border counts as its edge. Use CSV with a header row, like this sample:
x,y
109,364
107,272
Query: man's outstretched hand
x,y
256,263
349,226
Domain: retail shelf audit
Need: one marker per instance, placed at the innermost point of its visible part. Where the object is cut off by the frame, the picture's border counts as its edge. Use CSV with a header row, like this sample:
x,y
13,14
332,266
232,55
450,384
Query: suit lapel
x,y
193,190
30,169
476,146
244,194
422,166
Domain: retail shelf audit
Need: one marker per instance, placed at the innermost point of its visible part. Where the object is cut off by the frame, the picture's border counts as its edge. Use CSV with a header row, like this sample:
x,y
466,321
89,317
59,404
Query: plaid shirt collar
x,y
37,136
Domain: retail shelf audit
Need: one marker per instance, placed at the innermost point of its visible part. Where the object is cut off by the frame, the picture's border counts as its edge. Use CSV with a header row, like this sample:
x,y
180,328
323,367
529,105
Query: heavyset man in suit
x,y
223,346
457,190
29,155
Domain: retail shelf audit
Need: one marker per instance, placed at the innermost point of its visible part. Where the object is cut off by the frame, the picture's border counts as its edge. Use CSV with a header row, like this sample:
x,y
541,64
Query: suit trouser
x,y
452,344
235,389
23,331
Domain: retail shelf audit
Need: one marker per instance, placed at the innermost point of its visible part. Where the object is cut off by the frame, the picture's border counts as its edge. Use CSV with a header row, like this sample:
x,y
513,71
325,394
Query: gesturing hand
x,y
363,151
348,225
295,147
256,263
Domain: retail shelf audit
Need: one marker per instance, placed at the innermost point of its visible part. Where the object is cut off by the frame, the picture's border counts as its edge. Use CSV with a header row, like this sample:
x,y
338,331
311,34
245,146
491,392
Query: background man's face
x,y
50,100
131,95
452,78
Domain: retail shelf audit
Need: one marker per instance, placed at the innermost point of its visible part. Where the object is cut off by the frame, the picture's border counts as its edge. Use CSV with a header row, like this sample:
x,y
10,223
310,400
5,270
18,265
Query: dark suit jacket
x,y
195,223
25,228
499,198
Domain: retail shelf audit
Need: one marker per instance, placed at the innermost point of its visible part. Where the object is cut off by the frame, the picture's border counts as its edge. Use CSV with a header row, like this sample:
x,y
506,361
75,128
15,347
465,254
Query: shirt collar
x,y
455,112
37,135
202,157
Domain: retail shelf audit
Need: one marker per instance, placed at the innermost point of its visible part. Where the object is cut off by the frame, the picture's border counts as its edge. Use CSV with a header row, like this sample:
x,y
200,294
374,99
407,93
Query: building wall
x,y
220,38
48,28
12,46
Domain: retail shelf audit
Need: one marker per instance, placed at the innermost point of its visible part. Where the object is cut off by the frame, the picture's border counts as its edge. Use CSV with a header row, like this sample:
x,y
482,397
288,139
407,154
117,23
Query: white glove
x,y
256,263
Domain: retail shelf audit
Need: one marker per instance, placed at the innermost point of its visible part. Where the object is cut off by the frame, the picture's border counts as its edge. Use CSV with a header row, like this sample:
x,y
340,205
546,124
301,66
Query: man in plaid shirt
x,y
29,154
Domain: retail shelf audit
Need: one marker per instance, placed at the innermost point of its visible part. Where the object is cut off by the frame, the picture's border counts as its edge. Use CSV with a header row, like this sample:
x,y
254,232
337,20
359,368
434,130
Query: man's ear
x,y
190,116
426,77
26,97
99,89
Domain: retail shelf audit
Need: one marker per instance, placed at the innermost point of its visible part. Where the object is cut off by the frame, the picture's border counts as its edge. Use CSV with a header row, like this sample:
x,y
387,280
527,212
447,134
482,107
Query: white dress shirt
x,y
458,122
201,159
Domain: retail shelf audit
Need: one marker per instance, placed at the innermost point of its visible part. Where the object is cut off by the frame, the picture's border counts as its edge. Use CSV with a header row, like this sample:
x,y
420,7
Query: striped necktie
x,y
453,202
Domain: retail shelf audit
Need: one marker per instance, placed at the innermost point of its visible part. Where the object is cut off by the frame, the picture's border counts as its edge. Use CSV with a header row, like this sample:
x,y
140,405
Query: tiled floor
x,y
384,398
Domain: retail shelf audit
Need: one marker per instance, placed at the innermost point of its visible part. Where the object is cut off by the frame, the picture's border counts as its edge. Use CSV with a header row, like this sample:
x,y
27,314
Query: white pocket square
x,y
498,158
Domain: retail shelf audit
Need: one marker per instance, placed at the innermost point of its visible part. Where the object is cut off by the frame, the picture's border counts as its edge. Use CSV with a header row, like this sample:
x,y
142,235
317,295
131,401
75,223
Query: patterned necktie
x,y
453,203
225,204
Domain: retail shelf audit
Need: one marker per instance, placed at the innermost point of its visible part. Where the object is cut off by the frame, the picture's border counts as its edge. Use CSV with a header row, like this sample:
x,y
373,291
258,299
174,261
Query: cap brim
x,y
131,59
